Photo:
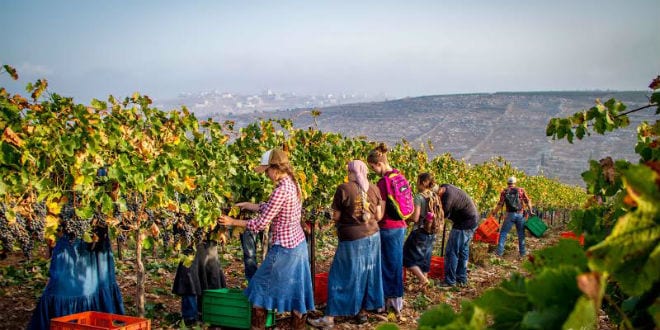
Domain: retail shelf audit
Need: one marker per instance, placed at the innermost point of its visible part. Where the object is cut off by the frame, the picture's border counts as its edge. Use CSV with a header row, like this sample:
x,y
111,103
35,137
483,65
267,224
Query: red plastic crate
x,y
321,288
492,239
98,321
488,227
437,270
571,235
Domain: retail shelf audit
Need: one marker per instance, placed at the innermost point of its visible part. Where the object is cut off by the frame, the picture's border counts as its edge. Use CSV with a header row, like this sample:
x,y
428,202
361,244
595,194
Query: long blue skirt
x,y
355,279
283,282
80,280
391,242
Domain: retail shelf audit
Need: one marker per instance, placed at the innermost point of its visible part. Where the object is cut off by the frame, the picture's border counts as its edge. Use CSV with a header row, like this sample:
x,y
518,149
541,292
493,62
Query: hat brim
x,y
260,168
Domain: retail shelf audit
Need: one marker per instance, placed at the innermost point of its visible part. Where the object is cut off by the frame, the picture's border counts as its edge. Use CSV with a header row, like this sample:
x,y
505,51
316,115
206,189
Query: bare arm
x,y
248,206
415,216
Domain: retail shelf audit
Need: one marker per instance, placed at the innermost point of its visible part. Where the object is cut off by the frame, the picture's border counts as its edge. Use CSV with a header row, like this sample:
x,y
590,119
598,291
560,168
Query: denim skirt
x,y
417,250
283,282
355,280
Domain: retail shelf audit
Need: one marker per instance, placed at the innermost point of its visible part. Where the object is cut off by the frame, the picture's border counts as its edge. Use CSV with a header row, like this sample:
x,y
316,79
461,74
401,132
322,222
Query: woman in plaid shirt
x,y
283,281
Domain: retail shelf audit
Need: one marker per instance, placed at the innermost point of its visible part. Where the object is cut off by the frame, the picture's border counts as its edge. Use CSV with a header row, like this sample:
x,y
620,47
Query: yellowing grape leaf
x,y
190,182
54,207
12,138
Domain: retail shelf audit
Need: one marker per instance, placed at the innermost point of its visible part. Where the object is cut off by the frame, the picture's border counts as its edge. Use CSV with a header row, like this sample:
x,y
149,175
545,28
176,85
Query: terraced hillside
x,y
477,127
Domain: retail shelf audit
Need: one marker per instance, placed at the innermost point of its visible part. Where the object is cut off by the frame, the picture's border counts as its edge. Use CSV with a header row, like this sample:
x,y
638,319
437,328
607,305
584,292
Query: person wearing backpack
x,y
396,192
461,210
514,198
427,218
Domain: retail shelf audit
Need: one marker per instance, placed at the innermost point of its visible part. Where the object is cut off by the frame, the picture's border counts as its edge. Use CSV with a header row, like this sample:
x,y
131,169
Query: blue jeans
x,y
189,307
513,218
249,245
457,255
391,253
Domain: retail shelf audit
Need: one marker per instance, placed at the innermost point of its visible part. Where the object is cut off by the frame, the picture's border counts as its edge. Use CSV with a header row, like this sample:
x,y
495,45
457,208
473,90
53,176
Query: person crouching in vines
x,y
283,281
205,273
82,275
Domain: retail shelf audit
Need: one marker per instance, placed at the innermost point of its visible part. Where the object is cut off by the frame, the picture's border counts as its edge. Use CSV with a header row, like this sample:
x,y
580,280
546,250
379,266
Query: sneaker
x,y
462,284
321,323
444,284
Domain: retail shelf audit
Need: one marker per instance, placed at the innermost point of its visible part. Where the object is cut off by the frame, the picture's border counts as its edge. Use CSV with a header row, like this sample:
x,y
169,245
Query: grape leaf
x,y
631,253
566,252
508,303
584,316
443,317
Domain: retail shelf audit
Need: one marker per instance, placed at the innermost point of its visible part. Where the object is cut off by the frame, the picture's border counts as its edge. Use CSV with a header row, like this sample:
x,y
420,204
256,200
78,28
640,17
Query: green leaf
x,y
443,317
553,294
107,205
631,253
148,243
508,303
85,212
565,253
387,326
584,316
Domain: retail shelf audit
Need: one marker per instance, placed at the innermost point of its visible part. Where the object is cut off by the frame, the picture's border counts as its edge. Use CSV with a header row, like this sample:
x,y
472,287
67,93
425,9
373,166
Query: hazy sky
x,y
91,48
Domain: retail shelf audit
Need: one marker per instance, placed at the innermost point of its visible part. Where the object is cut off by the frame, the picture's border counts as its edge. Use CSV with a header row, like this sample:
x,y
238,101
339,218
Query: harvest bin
x,y
488,227
437,270
98,321
320,288
229,308
536,226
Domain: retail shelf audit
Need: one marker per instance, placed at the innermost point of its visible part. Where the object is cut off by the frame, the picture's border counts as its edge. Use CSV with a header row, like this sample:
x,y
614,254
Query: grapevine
x,y
165,176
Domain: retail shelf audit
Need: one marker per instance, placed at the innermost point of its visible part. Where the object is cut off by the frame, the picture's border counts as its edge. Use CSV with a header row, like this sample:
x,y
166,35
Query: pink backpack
x,y
400,205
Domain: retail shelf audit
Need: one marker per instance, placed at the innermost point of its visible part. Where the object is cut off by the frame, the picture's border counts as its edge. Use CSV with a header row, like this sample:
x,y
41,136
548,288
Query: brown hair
x,y
425,181
378,154
288,169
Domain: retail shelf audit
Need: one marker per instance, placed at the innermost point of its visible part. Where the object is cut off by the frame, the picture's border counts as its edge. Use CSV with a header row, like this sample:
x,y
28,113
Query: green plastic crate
x,y
229,308
536,226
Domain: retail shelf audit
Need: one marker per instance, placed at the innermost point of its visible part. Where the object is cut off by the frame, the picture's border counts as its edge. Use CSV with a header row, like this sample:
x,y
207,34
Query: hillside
x,y
477,127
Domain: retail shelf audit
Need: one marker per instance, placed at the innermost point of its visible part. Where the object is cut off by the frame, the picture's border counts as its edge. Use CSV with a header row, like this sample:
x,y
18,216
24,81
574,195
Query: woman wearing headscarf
x,y
355,281
283,282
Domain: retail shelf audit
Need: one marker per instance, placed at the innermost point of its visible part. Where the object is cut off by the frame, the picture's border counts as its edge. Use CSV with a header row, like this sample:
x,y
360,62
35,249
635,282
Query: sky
x,y
90,49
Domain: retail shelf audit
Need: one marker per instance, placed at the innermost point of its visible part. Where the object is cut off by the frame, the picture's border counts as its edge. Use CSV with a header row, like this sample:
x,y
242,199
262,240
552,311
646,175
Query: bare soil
x,y
18,297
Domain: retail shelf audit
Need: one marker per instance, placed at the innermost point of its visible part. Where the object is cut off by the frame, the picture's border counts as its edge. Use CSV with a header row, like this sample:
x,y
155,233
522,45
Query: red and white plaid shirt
x,y
284,210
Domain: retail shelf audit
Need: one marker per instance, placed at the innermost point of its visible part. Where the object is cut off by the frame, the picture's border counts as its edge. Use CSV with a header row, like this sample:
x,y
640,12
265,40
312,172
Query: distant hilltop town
x,y
212,103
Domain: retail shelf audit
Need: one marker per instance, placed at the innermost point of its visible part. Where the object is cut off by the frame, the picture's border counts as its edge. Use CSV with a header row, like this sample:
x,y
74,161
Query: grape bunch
x,y
72,225
6,231
24,240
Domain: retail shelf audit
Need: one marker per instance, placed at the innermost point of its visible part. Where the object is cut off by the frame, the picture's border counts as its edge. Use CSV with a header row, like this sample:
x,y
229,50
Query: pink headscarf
x,y
360,169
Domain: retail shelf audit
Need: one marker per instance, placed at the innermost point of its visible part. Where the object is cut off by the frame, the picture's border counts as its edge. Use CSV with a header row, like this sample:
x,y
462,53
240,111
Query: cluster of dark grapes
x,y
6,231
24,239
37,224
19,232
183,232
71,224
166,222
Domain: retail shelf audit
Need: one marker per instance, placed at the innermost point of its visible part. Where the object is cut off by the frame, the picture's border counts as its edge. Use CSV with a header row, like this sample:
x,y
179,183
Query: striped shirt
x,y
284,211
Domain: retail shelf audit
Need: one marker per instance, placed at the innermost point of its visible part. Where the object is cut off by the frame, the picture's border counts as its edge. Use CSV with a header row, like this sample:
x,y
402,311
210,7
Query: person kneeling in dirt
x,y
205,273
